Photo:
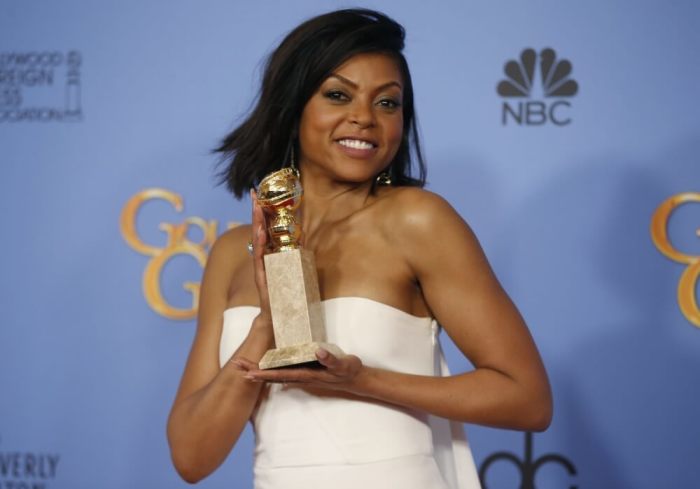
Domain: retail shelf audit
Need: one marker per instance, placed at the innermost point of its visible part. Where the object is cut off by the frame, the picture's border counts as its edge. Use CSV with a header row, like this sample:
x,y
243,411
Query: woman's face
x,y
351,128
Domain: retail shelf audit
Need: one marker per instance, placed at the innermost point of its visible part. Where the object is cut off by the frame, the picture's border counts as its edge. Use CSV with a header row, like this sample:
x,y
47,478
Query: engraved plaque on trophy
x,y
292,281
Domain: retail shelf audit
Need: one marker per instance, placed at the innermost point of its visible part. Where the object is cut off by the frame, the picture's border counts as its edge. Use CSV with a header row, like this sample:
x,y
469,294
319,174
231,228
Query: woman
x,y
393,261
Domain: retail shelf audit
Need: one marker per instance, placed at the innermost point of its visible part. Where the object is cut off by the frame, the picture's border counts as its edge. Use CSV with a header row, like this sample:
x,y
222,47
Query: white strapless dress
x,y
305,441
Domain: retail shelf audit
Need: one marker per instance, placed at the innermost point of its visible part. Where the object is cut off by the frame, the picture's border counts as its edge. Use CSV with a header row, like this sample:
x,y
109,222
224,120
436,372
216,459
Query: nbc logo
x,y
520,83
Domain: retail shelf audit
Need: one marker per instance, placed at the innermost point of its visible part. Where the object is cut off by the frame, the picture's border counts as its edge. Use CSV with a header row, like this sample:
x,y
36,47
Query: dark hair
x,y
293,72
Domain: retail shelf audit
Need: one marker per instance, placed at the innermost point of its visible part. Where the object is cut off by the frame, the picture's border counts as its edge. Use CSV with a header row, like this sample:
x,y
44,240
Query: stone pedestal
x,y
295,303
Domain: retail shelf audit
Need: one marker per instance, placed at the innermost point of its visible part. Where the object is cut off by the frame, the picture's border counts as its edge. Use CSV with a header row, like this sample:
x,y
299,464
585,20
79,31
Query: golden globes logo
x,y
177,244
687,286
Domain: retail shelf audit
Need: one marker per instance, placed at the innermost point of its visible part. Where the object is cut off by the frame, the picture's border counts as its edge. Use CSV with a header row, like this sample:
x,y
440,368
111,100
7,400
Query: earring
x,y
292,162
383,178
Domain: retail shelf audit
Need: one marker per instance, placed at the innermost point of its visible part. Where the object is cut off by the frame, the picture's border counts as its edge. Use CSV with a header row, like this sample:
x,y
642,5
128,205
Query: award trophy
x,y
292,282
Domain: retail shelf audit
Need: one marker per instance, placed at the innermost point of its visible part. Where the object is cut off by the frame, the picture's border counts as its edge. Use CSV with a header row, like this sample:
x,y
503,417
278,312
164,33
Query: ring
x,y
250,246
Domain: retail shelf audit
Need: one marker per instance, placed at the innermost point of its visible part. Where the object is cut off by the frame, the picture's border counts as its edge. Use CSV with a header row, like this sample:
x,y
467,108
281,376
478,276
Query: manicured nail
x,y
322,354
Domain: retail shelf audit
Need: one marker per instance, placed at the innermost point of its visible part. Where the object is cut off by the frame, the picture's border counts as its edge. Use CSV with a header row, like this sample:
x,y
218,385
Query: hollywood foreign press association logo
x,y
544,81
40,86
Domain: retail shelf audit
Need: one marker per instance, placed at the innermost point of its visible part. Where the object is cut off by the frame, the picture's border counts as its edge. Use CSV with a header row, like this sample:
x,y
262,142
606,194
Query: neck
x,y
326,201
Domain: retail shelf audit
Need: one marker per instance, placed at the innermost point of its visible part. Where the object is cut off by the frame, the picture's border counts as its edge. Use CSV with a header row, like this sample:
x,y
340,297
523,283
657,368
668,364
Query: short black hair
x,y
292,74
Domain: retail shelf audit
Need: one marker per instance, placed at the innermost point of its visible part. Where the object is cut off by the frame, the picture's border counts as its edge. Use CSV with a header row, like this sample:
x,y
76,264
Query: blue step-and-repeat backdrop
x,y
566,133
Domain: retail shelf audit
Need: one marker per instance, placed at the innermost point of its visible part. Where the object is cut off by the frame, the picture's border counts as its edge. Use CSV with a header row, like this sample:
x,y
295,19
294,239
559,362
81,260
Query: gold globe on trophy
x,y
292,281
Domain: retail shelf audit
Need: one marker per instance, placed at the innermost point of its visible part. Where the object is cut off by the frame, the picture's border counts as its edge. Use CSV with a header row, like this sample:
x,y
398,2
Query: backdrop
x,y
566,134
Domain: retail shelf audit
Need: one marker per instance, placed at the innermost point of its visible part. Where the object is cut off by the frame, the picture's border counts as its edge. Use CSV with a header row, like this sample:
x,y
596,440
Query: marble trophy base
x,y
295,304
297,355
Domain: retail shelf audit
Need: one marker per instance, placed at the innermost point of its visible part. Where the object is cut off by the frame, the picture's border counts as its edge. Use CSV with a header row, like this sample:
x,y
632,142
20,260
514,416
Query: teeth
x,y
356,144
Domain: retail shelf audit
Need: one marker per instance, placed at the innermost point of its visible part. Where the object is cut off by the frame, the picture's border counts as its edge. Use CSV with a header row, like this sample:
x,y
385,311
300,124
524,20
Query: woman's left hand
x,y
340,373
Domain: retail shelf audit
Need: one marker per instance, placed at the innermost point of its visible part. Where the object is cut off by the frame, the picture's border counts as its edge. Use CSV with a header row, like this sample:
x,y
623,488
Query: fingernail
x,y
322,354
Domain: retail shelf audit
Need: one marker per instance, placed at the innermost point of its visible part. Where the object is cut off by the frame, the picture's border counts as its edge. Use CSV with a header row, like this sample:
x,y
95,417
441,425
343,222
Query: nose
x,y
361,114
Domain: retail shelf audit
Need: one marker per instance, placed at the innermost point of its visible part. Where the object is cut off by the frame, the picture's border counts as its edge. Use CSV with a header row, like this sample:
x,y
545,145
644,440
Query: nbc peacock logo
x,y
546,88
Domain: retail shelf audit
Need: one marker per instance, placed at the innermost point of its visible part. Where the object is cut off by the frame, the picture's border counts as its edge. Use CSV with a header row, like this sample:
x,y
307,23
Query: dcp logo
x,y
527,466
553,76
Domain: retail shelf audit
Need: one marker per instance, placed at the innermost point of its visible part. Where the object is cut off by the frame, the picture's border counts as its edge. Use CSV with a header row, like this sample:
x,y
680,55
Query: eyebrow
x,y
354,85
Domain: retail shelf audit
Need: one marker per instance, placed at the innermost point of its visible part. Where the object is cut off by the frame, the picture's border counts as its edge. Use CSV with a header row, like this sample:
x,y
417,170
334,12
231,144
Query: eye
x,y
336,96
389,103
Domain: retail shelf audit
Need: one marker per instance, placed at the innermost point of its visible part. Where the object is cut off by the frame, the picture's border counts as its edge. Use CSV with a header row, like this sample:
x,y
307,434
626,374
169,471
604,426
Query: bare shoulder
x,y
227,254
232,244
430,234
417,211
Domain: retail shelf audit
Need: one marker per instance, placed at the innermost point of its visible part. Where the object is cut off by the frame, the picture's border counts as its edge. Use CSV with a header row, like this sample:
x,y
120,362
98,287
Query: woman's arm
x,y
213,404
508,387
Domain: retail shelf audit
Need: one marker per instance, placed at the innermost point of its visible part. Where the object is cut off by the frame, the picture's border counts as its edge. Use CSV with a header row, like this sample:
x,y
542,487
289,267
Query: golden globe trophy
x,y
292,282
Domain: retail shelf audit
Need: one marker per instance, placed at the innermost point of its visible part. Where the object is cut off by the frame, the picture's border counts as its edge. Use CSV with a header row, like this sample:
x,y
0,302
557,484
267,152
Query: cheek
x,y
322,124
394,131
316,126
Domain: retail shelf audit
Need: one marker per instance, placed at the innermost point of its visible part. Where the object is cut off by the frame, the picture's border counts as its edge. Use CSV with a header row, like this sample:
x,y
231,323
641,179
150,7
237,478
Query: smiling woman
x,y
309,57
351,128
394,261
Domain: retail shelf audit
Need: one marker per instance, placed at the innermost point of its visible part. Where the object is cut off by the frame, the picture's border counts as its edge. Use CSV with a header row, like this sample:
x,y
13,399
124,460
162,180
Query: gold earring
x,y
292,162
383,179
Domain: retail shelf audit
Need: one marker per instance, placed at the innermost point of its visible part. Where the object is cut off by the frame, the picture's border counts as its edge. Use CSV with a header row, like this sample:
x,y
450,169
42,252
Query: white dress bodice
x,y
305,440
